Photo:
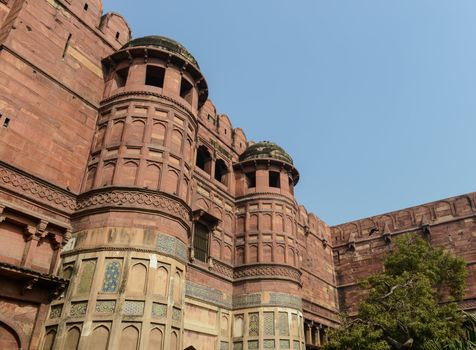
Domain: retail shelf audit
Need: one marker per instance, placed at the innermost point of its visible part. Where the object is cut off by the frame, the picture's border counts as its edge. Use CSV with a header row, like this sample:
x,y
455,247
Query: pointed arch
x,y
116,132
174,343
158,134
72,339
99,338
136,283
161,281
129,338
129,173
136,131
177,287
155,339
152,176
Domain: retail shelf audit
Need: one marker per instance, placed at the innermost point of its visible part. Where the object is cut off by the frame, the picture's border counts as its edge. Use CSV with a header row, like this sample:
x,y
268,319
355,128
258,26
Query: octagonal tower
x,y
130,245
267,285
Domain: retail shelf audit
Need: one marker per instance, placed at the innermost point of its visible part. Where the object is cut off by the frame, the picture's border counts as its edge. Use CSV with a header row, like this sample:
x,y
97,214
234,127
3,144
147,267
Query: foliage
x,y
411,303
468,343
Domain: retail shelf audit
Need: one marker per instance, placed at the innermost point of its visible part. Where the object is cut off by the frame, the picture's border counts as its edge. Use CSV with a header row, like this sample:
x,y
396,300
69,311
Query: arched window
x,y
204,159
111,277
221,171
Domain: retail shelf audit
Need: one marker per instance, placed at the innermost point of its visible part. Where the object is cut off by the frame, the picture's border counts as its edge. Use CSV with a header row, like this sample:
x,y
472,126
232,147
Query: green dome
x,y
163,43
266,149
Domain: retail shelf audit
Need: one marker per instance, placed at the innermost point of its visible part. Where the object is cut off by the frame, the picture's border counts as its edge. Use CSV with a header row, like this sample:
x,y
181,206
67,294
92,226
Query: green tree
x,y
411,303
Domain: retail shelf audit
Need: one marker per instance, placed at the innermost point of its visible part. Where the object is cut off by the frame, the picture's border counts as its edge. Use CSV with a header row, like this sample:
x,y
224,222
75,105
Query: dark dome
x,y
165,44
266,149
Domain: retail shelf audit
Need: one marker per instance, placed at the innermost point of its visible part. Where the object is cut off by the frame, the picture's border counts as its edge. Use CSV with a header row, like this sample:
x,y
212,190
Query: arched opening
x,y
221,171
204,159
8,337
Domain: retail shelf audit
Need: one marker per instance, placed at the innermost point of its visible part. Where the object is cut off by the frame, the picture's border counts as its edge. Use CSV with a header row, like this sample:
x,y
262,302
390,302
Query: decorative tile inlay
x,y
254,325
78,309
284,344
105,306
287,300
204,293
295,345
238,345
176,314
159,310
86,279
269,344
56,311
268,323
224,345
253,344
111,277
283,324
133,308
246,300
172,246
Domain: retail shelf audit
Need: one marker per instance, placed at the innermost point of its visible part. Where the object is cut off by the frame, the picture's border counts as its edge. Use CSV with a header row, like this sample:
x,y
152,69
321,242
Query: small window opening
x,y
121,77
225,131
204,159
118,35
186,89
200,241
221,171
251,179
86,6
155,76
6,122
274,179
291,185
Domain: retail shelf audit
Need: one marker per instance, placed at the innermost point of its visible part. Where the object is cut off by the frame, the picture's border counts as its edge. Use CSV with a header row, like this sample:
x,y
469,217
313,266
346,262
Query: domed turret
x,y
163,43
266,150
266,167
157,65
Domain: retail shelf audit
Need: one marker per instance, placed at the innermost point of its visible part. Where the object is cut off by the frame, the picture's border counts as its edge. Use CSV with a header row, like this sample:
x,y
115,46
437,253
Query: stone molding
x,y
39,190
267,271
165,245
134,198
222,269
321,311
245,301
147,93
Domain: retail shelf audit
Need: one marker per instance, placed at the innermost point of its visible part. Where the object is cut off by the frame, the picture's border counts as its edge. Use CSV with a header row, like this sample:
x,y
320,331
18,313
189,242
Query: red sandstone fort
x,y
134,216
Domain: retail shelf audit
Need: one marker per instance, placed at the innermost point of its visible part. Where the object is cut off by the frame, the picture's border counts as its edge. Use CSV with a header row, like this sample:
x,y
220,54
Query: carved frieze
x,y
140,199
36,189
267,271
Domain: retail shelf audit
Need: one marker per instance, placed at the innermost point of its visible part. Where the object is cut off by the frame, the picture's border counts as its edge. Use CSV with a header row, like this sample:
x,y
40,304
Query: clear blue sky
x,y
374,99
